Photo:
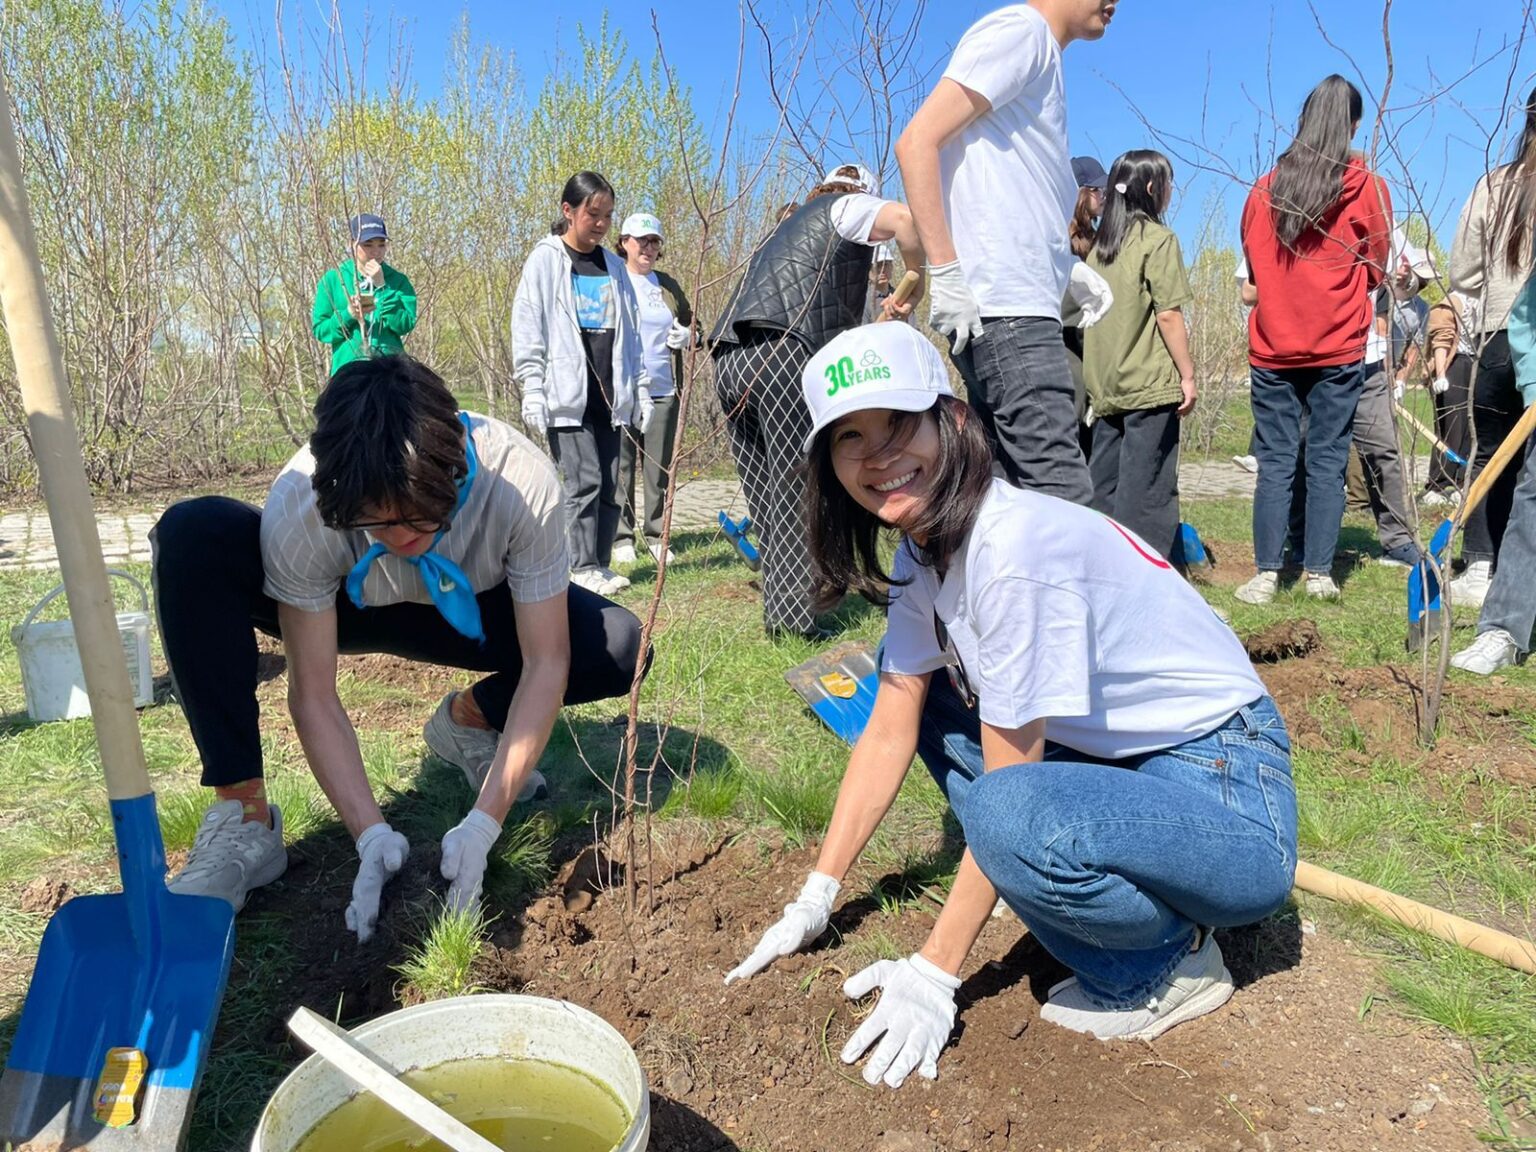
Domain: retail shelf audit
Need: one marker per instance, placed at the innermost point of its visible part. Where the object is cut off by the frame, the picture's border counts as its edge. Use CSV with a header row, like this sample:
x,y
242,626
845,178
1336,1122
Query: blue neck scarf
x,y
445,580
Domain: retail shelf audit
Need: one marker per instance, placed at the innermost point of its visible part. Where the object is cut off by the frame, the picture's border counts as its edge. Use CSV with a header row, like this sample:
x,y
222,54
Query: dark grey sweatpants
x,y
1135,465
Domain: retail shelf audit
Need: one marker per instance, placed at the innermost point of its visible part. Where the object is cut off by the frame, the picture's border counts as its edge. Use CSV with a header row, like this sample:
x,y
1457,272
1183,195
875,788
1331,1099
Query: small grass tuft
x,y
440,963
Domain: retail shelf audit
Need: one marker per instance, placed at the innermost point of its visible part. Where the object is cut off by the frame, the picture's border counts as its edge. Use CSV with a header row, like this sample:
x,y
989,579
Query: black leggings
x,y
1496,408
208,589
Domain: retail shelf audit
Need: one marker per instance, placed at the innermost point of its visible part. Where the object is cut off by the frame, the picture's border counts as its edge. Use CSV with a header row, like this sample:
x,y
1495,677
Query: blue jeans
x,y
1018,382
1113,864
1511,602
1280,398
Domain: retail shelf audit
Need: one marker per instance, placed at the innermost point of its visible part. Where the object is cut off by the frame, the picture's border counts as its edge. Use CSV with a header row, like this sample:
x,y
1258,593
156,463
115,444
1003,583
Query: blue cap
x,y
366,226
1089,173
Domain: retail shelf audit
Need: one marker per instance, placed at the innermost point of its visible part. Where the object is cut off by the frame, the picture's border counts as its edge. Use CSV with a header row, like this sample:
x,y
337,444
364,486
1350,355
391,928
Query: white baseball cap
x,y
641,224
864,181
886,365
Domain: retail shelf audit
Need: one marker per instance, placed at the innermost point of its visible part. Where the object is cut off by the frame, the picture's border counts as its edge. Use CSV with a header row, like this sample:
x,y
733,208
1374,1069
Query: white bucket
x,y
466,1028
51,674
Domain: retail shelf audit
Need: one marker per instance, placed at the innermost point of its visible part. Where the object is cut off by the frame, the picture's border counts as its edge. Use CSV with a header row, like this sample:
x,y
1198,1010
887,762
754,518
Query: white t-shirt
x,y
512,528
1007,177
1057,612
655,324
853,216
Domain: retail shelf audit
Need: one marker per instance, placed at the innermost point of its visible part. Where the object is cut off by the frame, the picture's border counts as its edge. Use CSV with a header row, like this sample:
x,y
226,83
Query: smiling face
x,y
887,473
641,253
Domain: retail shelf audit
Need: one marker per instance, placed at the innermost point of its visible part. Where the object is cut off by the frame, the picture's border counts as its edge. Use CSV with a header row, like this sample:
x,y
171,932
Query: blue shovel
x,y
114,1033
736,532
1423,587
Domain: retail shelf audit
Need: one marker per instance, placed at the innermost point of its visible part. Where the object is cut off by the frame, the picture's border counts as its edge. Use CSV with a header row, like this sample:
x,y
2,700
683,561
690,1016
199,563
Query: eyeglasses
x,y
647,242
955,666
377,526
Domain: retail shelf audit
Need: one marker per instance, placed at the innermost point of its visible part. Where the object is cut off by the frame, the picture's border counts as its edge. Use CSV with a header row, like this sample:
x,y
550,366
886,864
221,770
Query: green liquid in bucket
x,y
518,1105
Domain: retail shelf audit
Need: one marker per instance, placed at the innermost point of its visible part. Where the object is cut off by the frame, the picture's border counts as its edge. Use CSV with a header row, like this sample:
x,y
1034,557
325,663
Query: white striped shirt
x,y
511,528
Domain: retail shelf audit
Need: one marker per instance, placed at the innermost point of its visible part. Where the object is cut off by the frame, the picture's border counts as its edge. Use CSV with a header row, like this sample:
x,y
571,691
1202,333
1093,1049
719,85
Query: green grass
x,y
738,746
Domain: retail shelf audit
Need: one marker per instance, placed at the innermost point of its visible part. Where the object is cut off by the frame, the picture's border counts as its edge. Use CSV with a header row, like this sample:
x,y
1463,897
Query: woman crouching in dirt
x,y
1120,775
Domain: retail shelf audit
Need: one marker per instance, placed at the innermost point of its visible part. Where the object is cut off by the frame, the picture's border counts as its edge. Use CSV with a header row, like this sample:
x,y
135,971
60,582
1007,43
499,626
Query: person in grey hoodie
x,y
576,353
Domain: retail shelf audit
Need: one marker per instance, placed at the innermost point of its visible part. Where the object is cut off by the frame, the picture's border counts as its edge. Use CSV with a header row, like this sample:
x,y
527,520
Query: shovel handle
x,y
51,427
1429,435
1474,937
906,288
365,1069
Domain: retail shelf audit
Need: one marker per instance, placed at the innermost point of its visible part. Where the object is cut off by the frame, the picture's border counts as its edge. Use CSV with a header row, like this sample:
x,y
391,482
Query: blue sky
x,y
1215,83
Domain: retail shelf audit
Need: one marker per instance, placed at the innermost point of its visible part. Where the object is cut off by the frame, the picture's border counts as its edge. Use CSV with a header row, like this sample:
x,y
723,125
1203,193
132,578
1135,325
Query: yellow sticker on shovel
x,y
841,685
117,1089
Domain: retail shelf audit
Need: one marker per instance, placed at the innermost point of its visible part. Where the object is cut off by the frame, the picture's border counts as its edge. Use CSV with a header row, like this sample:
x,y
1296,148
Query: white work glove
x,y
680,336
952,307
1090,292
1441,386
1397,391
382,851
916,1014
535,414
645,408
465,848
803,921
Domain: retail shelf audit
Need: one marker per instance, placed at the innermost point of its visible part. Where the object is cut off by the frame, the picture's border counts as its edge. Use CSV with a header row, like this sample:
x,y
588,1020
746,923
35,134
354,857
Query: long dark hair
x,y
387,431
1139,185
577,191
845,536
1522,205
1309,175
1084,225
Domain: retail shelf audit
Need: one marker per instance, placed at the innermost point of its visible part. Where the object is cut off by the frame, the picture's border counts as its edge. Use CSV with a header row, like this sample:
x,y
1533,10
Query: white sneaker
x,y
471,750
1320,586
1200,984
593,580
1247,463
624,554
1259,590
1437,499
1470,589
616,583
1492,650
653,547
231,855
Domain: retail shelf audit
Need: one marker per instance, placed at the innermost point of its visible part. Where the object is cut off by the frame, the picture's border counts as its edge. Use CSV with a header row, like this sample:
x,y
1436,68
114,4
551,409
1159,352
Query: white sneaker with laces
x,y
624,554
471,750
1470,589
1320,586
593,580
1200,984
616,583
232,855
1259,590
1247,463
654,547
1492,650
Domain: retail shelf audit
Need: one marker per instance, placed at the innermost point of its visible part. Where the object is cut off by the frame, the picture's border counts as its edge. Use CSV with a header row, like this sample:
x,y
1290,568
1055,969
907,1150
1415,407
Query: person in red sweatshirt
x,y
1316,235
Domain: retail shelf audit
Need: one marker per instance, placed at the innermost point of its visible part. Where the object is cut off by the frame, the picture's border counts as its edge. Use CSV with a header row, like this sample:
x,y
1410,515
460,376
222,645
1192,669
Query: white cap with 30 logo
x,y
888,365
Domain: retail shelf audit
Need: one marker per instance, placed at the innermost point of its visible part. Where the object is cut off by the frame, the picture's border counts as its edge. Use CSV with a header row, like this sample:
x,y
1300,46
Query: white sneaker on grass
x,y
616,582
471,750
1320,586
624,554
1247,463
654,547
1259,590
232,855
593,580
1492,650
1200,984
1470,589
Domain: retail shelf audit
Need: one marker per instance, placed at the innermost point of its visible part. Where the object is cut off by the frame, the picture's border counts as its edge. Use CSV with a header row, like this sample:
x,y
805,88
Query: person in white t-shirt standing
x,y
805,283
986,170
666,328
405,526
1120,775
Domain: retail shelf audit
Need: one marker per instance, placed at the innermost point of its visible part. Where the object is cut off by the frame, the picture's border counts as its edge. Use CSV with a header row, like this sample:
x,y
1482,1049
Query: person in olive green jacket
x,y
1136,361
363,307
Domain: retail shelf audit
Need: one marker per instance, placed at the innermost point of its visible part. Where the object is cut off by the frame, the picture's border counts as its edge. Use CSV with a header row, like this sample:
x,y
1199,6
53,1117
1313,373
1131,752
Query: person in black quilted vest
x,y
806,283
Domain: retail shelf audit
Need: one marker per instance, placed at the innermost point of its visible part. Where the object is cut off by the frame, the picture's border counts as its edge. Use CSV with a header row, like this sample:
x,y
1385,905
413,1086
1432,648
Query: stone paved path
x,y
26,539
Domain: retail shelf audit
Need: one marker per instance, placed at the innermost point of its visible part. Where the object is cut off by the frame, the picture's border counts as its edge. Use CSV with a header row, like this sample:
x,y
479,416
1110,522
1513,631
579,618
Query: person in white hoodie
x,y
576,353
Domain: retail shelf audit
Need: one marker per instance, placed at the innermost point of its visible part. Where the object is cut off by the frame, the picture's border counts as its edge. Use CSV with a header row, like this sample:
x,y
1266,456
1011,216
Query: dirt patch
x,y
45,895
1289,1063
1283,641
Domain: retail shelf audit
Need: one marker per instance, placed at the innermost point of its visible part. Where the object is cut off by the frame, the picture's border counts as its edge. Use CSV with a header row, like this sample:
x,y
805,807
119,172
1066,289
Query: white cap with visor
x,y
885,365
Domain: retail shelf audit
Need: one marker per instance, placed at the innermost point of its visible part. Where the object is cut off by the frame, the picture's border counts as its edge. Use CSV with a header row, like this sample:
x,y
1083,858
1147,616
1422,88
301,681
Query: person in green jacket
x,y
363,307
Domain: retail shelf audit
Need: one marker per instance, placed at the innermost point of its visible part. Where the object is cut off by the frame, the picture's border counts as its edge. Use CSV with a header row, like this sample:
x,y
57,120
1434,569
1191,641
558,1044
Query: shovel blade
x,y
144,970
839,685
1191,549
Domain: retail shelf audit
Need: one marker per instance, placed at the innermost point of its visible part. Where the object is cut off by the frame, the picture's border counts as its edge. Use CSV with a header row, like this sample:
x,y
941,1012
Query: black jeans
x,y
208,590
1135,467
1496,408
1452,426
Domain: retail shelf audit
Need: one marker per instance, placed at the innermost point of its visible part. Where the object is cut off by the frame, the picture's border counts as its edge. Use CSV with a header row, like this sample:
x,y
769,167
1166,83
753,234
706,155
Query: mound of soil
x,y
1283,641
